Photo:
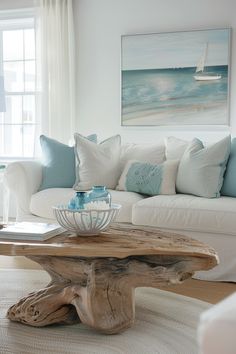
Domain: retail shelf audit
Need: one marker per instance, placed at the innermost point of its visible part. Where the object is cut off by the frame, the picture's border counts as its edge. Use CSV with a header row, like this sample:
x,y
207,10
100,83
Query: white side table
x,y
217,328
5,197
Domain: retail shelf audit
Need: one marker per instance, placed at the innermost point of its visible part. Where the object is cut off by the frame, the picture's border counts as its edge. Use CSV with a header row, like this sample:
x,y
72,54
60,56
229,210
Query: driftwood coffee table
x,y
94,278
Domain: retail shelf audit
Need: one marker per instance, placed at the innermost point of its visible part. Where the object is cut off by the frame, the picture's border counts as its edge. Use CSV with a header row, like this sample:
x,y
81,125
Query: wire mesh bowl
x,y
86,222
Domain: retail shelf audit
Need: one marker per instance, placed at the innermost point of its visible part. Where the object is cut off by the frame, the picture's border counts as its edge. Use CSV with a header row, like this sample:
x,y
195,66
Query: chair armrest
x,y
216,329
23,178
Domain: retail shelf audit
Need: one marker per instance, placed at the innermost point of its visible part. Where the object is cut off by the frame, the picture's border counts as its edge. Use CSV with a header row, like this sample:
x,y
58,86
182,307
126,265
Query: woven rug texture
x,y
165,323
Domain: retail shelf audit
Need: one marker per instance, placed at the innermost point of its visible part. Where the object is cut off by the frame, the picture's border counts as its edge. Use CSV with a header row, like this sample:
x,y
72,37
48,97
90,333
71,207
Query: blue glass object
x,y
99,194
71,204
78,201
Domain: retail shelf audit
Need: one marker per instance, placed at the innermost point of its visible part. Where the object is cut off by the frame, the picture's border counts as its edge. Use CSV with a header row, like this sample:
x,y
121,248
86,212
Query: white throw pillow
x,y
175,148
149,179
152,153
201,169
98,164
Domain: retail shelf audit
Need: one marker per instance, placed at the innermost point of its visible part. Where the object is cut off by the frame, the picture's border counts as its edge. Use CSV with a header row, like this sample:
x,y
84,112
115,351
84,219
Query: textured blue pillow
x,y
229,185
58,163
145,178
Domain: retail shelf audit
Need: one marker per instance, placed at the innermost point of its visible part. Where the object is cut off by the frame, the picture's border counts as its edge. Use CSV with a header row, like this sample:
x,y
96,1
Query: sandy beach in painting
x,y
173,97
194,115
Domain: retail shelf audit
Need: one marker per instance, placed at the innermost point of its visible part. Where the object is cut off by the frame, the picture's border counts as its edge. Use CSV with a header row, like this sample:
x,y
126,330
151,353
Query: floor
x,y
211,292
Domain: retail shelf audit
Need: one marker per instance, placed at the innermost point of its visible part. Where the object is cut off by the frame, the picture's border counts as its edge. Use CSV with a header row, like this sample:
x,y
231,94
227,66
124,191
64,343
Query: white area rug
x,y
165,323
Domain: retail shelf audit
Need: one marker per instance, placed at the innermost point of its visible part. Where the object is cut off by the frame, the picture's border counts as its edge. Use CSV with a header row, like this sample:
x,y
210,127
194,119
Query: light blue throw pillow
x,y
201,169
229,185
58,163
149,179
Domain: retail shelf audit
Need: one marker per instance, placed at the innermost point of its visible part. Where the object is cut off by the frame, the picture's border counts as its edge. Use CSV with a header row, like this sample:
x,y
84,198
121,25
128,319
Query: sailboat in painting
x,y
200,74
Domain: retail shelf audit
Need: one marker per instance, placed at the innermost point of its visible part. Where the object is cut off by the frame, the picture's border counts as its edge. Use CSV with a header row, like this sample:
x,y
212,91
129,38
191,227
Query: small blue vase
x,y
99,194
78,201
71,204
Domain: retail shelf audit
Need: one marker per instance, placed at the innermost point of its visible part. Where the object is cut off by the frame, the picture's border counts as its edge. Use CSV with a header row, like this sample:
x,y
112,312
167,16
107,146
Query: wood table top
x,y
119,241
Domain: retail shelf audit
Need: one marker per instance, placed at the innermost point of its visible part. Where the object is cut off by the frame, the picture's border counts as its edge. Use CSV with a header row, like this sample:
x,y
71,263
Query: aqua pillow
x,y
58,163
201,169
229,185
149,179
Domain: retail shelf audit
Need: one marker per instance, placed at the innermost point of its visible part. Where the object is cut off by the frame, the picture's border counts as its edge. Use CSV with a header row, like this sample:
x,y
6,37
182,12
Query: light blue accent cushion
x,y
58,163
229,185
144,178
149,179
201,169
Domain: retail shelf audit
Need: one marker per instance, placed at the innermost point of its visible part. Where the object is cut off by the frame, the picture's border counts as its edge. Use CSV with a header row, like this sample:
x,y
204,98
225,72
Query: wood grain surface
x,y
120,241
94,278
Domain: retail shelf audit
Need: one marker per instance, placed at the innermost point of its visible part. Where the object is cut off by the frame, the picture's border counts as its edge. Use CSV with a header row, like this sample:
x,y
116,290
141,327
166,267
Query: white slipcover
x,y
212,221
188,212
41,203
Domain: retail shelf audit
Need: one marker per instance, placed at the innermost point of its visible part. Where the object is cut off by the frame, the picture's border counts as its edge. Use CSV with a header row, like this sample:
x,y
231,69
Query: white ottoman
x,y
217,328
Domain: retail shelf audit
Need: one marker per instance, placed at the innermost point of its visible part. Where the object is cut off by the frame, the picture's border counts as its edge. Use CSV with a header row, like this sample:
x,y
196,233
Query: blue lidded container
x,y
99,194
78,201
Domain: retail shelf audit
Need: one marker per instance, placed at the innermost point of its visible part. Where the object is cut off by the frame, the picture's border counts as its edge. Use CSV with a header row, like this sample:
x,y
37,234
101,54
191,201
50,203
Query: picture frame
x,y
175,78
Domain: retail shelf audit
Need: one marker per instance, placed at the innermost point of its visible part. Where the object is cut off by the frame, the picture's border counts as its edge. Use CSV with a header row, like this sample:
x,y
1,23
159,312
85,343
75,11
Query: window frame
x,y
17,14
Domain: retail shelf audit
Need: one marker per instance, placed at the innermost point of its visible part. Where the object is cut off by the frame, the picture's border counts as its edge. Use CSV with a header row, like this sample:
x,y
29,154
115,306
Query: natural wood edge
x,y
120,241
47,306
36,249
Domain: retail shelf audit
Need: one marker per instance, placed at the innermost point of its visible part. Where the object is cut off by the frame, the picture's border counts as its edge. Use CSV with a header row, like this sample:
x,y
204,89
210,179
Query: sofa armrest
x,y
23,178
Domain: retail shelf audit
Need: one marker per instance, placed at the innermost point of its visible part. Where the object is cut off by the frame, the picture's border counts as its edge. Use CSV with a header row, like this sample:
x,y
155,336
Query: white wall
x,y
15,4
99,26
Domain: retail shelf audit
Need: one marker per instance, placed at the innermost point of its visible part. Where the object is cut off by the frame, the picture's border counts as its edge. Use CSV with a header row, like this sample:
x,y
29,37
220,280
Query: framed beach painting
x,y
175,78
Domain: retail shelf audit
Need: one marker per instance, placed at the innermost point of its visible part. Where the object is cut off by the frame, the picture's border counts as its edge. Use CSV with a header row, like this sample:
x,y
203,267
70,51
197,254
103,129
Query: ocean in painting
x,y
174,97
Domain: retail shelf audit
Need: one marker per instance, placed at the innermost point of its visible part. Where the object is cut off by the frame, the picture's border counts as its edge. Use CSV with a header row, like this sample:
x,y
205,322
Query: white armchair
x,y
217,328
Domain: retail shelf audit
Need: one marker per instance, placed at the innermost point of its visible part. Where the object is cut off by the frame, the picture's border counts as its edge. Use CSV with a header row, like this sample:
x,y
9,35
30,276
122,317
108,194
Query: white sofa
x,y
212,221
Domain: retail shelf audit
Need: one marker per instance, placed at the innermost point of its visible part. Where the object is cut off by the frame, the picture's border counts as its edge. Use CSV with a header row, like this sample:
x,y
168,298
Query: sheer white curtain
x,y
56,69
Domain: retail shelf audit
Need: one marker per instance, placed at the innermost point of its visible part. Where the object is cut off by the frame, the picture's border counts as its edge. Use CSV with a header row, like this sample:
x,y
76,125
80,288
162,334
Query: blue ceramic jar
x,y
100,194
98,197
78,201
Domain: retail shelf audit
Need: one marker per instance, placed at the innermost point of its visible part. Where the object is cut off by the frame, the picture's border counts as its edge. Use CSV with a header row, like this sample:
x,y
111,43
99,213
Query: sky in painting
x,y
174,50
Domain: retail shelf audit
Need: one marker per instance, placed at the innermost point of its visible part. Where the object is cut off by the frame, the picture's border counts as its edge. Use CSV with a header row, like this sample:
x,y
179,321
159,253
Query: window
x,y
18,69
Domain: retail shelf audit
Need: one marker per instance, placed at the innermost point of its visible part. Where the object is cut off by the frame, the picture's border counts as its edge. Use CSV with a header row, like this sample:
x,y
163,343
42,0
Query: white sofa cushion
x,y
42,202
98,164
201,169
186,212
149,153
175,148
